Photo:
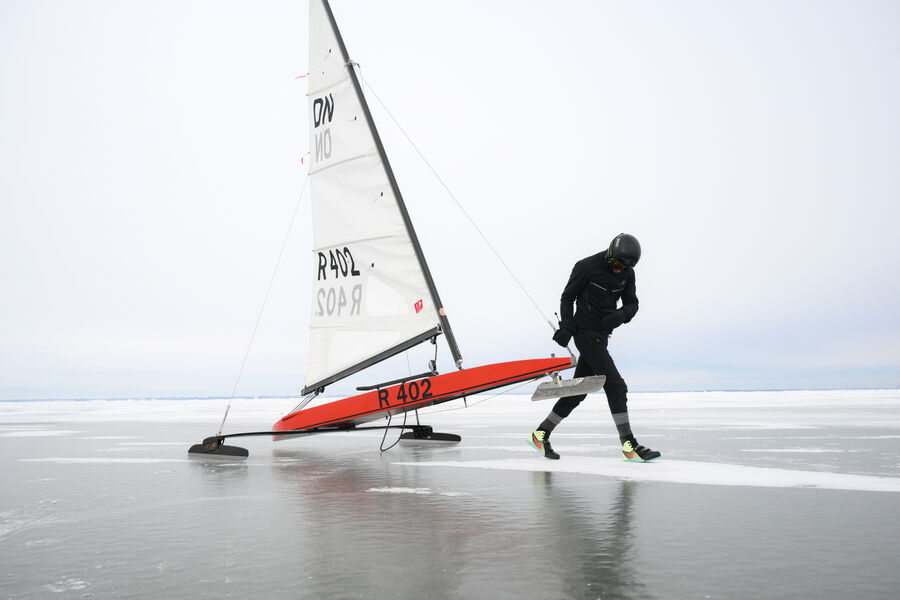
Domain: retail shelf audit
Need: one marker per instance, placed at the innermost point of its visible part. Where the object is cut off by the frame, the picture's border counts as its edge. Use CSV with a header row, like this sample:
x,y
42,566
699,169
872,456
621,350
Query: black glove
x,y
562,337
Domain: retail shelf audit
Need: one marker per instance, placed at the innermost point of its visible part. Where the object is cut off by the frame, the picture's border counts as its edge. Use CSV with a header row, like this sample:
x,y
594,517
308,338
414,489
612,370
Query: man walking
x,y
596,285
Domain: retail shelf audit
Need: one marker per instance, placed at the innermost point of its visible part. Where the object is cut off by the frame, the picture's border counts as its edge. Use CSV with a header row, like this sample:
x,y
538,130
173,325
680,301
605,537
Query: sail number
x,y
407,392
323,113
337,300
339,262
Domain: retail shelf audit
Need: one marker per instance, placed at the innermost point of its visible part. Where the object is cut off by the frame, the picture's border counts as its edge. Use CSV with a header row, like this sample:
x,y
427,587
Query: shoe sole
x,y
638,459
530,443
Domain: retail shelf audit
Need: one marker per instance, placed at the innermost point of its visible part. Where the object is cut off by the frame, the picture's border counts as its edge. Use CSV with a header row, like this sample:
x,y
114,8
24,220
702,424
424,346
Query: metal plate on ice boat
x,y
576,386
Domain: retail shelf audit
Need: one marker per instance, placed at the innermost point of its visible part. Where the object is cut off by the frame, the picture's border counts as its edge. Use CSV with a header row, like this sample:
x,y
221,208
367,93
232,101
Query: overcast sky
x,y
150,162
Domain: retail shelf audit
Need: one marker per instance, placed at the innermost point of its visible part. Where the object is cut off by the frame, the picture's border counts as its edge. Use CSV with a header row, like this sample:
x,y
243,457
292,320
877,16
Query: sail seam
x,y
343,162
371,238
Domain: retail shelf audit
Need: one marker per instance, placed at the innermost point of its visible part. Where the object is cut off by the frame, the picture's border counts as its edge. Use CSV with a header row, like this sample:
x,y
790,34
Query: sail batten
x,y
373,294
338,163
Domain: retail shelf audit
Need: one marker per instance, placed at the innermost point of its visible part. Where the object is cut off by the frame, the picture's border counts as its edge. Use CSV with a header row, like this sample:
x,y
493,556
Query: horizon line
x,y
286,397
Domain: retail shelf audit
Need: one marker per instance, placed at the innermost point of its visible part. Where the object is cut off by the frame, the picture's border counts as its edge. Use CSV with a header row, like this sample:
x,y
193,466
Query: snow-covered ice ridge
x,y
682,471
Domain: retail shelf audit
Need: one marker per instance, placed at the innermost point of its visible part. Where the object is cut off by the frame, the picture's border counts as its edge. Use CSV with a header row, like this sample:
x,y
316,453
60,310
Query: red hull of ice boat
x,y
418,393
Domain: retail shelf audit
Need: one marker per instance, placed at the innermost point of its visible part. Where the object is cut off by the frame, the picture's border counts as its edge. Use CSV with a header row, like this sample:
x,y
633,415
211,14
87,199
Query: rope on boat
x,y
397,441
457,202
469,405
265,299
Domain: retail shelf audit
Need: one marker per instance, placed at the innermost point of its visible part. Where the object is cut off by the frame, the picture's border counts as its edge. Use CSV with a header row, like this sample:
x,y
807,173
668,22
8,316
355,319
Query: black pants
x,y
594,359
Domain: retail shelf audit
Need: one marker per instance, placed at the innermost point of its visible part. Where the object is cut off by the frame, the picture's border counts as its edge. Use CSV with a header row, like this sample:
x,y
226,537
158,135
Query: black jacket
x,y
596,290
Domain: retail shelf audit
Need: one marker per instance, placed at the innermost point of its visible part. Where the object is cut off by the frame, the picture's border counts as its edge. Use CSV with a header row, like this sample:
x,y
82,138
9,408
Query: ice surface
x,y
100,499
590,443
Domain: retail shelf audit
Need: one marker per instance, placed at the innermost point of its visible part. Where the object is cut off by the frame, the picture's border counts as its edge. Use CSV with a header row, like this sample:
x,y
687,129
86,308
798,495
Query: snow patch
x,y
416,491
800,450
69,584
13,521
86,461
37,433
400,490
678,471
152,443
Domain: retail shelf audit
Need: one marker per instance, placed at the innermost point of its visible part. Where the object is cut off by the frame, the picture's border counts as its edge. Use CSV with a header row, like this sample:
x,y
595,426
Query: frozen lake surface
x,y
762,494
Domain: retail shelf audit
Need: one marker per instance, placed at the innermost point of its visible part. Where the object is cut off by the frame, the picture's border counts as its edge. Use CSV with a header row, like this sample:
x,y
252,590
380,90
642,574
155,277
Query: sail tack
x,y
371,298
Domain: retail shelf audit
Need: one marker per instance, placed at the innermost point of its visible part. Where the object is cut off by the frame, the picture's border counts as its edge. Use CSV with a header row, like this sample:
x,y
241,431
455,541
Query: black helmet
x,y
624,249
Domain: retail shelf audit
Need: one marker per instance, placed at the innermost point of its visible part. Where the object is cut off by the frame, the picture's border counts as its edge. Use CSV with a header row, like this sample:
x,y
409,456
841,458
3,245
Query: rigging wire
x,y
457,202
484,237
469,405
265,299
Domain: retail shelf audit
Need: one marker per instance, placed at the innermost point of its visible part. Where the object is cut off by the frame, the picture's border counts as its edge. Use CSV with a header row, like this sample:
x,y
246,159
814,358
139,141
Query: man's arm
x,y
629,299
627,311
577,280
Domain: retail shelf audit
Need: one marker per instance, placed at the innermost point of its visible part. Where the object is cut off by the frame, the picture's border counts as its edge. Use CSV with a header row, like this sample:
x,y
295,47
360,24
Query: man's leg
x,y
594,350
597,354
594,359
540,438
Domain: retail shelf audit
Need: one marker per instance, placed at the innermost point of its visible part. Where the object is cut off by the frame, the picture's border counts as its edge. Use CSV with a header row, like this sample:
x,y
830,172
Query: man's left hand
x,y
562,337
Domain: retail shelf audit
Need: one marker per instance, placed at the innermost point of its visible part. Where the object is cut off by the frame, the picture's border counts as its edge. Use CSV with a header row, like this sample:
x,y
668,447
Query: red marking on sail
x,y
302,76
419,306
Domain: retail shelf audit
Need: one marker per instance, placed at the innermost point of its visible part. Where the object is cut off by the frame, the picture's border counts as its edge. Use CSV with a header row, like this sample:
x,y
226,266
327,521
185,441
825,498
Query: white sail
x,y
370,298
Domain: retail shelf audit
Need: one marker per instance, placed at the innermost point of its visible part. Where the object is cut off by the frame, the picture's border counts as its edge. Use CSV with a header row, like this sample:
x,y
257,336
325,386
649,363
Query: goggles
x,y
617,264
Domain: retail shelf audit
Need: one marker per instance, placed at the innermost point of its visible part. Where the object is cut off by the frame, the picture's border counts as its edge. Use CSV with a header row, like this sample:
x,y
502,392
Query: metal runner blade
x,y
568,387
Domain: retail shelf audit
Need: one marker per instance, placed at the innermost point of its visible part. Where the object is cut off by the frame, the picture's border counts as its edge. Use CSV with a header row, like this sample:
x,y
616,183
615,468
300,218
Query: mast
x,y
429,280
